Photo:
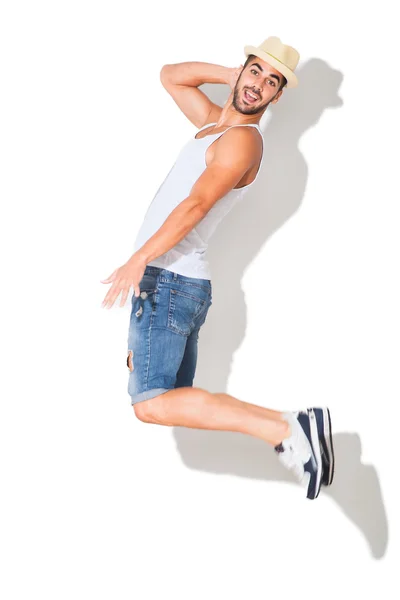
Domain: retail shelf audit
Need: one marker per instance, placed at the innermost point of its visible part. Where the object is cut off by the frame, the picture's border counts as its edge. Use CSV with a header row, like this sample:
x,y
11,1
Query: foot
x,y
300,452
324,426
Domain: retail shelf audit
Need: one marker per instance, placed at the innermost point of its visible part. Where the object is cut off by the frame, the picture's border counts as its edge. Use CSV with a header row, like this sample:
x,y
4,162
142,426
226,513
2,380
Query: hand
x,y
234,76
131,273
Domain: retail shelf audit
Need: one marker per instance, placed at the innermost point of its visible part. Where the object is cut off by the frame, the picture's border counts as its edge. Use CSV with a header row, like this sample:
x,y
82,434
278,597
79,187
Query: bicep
x,y
233,158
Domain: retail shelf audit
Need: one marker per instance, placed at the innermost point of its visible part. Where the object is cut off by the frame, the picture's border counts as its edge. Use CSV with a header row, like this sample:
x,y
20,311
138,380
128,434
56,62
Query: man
x,y
170,274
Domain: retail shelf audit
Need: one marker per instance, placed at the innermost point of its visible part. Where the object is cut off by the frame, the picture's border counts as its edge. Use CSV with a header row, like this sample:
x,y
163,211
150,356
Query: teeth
x,y
251,95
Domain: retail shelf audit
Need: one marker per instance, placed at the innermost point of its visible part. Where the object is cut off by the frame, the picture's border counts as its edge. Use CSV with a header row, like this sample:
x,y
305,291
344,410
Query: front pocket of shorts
x,y
148,283
145,301
183,310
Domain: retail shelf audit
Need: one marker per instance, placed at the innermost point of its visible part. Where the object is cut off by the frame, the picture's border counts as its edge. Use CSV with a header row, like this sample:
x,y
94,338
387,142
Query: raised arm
x,y
181,81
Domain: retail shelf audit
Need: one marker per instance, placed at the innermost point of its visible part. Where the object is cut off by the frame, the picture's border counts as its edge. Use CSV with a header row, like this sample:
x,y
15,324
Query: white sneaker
x,y
301,451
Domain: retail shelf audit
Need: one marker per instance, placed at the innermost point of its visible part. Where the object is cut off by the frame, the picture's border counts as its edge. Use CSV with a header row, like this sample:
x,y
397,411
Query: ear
x,y
278,95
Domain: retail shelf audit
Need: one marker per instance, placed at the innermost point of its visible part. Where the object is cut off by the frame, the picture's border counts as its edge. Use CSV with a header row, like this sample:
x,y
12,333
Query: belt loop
x,y
175,276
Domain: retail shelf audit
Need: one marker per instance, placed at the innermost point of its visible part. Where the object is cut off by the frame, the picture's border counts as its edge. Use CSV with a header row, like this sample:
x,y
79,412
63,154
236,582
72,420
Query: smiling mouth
x,y
250,97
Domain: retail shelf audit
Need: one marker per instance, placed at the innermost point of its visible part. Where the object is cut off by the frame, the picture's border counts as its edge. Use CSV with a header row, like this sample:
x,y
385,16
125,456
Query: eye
x,y
273,82
254,71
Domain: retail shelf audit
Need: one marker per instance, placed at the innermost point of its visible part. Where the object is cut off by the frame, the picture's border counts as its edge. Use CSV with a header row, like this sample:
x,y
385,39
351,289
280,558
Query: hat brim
x,y
292,80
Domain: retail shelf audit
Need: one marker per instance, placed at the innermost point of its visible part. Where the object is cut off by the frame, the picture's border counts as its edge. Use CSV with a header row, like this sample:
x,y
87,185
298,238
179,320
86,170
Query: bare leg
x,y
199,409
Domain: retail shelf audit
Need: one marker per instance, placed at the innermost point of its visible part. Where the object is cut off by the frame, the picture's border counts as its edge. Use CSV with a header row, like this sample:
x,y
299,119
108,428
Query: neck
x,y
230,116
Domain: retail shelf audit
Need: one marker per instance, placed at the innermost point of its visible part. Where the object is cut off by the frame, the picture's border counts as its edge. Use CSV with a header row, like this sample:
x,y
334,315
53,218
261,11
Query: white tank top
x,y
188,257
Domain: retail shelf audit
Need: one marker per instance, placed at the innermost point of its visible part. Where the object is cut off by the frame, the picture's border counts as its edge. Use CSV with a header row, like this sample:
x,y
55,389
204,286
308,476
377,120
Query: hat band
x,y
276,59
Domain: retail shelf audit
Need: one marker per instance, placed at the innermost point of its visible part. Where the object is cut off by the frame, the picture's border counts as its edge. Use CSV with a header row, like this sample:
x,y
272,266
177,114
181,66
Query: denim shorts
x,y
163,332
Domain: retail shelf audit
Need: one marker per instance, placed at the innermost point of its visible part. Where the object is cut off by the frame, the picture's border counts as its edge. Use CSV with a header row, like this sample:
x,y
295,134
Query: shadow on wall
x,y
274,198
355,488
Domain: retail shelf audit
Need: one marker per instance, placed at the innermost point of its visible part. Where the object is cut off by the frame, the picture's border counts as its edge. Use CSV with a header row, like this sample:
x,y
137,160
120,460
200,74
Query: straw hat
x,y
283,58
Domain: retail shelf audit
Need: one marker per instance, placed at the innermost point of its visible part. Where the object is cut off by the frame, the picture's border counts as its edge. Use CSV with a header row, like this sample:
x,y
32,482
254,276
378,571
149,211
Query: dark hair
x,y
250,57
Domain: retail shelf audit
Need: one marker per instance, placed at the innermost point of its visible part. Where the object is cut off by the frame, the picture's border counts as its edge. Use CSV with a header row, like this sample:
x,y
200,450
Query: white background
x,y
97,504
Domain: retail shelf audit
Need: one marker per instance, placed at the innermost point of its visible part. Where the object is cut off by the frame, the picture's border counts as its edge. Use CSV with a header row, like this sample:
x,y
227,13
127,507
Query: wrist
x,y
230,71
139,257
228,74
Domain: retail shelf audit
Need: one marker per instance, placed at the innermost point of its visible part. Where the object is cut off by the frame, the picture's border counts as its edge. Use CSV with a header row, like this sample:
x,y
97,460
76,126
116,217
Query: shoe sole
x,y
326,441
317,453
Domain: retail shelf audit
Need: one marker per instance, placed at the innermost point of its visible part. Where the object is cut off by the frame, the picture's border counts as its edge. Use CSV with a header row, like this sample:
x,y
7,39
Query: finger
x,y
112,294
112,299
124,296
105,302
110,278
137,290
106,297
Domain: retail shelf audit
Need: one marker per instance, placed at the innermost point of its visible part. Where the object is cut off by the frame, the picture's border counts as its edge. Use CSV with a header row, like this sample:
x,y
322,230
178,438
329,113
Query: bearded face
x,y
256,87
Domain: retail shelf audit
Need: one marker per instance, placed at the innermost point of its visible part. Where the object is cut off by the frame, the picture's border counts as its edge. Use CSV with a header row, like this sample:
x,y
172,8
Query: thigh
x,y
163,331
154,353
187,369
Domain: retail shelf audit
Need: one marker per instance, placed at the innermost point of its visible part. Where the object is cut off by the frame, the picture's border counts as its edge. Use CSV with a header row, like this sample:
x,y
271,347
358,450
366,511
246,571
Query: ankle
x,y
283,431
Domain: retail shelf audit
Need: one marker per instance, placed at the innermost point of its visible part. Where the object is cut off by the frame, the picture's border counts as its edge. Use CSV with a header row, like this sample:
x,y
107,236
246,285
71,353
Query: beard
x,y
246,109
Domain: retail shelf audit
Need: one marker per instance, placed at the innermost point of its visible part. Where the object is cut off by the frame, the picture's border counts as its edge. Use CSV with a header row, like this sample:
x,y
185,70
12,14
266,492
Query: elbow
x,y
201,208
165,73
200,204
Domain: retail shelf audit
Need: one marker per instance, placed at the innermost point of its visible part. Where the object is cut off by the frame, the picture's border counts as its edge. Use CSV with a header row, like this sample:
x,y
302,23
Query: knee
x,y
142,411
153,410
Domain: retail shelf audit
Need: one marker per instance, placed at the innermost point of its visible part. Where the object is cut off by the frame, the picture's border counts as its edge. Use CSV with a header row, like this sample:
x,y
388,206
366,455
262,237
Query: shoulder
x,y
245,143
